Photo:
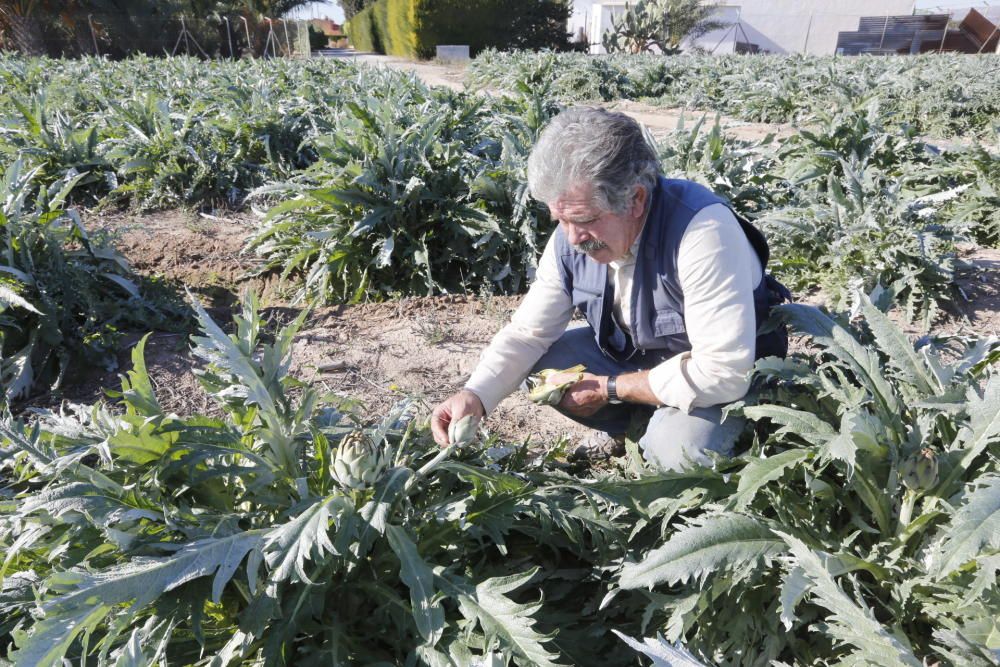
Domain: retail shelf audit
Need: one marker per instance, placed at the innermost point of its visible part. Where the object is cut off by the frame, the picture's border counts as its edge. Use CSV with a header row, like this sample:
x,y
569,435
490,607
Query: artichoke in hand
x,y
463,431
544,392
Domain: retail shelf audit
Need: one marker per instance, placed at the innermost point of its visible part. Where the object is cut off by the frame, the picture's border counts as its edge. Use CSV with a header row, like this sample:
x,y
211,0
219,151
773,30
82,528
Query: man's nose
x,y
574,234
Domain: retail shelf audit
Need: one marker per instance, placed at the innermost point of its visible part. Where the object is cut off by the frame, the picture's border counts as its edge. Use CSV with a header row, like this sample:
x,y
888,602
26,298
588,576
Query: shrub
x,y
414,28
317,39
63,298
363,32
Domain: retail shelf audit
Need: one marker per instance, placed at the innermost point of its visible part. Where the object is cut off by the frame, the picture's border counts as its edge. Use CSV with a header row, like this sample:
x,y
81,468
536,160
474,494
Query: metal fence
x,y
119,36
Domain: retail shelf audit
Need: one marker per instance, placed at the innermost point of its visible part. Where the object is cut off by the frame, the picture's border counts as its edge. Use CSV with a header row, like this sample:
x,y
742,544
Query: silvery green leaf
x,y
721,542
850,621
502,619
974,526
84,599
419,578
661,653
761,471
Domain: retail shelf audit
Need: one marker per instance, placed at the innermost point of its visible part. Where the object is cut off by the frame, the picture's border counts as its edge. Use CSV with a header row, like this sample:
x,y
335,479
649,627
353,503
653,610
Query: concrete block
x,y
453,52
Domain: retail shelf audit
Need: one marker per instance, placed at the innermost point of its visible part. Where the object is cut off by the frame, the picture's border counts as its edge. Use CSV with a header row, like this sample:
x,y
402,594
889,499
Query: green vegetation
x,y
414,28
378,186
860,526
416,191
938,95
64,299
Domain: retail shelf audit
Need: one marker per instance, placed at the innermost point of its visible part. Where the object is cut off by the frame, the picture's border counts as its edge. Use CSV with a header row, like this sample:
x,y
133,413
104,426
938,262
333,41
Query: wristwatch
x,y
613,390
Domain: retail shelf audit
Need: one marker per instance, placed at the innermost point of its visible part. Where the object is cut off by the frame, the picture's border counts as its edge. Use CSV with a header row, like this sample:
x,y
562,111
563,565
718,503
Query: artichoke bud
x,y
541,391
463,431
357,464
920,471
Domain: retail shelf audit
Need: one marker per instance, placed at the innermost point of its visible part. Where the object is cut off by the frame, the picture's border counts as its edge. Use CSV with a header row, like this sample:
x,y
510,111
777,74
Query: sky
x,y
321,10
330,9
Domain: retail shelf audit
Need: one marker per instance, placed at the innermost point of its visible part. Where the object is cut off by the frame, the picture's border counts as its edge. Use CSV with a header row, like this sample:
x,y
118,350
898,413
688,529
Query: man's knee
x,y
575,346
676,440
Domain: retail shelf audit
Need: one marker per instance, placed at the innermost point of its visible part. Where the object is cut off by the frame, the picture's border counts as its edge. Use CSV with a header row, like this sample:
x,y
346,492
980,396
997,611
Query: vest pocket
x,y
668,323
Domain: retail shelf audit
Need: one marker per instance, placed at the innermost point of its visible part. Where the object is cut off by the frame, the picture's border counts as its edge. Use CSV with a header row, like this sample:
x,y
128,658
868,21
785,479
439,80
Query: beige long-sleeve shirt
x,y
718,271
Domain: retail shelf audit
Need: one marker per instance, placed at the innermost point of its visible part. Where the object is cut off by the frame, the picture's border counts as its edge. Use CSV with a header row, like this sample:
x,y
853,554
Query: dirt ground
x,y
379,353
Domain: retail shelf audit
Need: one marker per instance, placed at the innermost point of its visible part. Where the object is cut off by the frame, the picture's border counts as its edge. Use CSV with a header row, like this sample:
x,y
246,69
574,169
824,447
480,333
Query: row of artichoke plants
x,y
859,527
951,95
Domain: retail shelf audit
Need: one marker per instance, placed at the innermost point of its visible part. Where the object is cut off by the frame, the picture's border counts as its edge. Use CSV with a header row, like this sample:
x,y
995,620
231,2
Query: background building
x,y
773,26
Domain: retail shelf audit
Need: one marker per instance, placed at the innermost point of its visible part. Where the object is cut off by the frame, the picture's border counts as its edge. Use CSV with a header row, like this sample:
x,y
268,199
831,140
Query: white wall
x,y
580,17
809,26
777,26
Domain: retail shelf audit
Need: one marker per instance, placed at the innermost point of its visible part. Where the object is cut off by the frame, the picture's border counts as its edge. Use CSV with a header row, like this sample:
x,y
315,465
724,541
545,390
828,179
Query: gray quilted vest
x,y
657,308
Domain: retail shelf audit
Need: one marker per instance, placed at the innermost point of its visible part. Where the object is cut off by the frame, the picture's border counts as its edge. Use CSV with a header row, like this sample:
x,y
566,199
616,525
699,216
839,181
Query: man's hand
x,y
451,409
586,396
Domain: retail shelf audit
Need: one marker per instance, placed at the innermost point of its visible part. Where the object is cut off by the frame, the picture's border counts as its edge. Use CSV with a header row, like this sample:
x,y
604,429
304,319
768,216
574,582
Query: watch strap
x,y
613,398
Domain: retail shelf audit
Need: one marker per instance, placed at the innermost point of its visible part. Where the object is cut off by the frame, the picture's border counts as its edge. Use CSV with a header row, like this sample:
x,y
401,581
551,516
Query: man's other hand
x,y
586,396
453,408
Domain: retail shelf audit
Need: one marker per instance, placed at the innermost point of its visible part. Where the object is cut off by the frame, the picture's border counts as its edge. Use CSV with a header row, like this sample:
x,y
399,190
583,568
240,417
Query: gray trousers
x,y
673,439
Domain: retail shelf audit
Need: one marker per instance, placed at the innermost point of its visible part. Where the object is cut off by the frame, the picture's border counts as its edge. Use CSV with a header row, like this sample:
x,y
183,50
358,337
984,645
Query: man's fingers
x,y
439,427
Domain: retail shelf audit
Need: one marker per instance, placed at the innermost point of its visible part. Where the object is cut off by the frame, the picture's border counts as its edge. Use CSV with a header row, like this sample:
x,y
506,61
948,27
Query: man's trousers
x,y
673,439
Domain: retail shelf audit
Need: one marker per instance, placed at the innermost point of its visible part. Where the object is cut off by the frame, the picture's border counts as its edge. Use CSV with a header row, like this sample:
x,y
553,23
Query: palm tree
x,y
21,27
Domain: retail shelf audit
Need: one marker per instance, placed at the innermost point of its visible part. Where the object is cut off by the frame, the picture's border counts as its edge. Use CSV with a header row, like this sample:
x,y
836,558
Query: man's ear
x,y
639,199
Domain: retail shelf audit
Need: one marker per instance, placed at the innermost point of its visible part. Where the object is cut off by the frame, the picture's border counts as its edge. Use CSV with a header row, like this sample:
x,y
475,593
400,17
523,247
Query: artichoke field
x,y
949,95
861,526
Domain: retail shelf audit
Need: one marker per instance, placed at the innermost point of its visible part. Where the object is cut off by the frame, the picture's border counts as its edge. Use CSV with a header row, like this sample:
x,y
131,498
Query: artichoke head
x,y
920,471
358,463
463,431
543,392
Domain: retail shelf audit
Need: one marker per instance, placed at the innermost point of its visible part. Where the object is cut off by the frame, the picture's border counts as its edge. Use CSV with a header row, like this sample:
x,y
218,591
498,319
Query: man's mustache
x,y
591,246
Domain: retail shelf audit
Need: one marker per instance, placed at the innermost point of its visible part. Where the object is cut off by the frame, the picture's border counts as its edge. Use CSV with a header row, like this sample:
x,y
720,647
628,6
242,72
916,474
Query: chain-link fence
x,y
118,36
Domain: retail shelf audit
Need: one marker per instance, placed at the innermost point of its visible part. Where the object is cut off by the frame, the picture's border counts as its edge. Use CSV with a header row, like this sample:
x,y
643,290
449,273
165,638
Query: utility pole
x,y
805,45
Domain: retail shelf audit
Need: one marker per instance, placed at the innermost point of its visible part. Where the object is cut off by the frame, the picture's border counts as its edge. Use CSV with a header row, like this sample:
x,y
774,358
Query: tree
x,y
663,24
352,7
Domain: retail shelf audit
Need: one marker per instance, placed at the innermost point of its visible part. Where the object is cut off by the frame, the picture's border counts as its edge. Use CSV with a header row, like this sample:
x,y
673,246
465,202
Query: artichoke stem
x,y
906,510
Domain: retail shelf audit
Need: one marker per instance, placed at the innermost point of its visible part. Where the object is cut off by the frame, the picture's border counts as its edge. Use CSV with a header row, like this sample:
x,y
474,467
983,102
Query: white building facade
x,y
773,26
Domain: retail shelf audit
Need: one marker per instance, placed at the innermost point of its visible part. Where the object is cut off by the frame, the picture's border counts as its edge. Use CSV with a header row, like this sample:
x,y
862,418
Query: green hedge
x,y
414,28
362,32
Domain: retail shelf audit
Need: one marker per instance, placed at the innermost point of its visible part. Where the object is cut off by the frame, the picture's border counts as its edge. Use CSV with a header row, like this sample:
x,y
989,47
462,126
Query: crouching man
x,y
671,283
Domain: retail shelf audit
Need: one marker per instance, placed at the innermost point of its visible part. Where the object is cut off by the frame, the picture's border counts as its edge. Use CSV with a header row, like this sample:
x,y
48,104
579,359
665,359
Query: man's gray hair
x,y
588,145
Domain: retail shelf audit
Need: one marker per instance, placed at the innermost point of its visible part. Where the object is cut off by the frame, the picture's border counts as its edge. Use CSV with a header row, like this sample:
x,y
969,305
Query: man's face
x,y
602,235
